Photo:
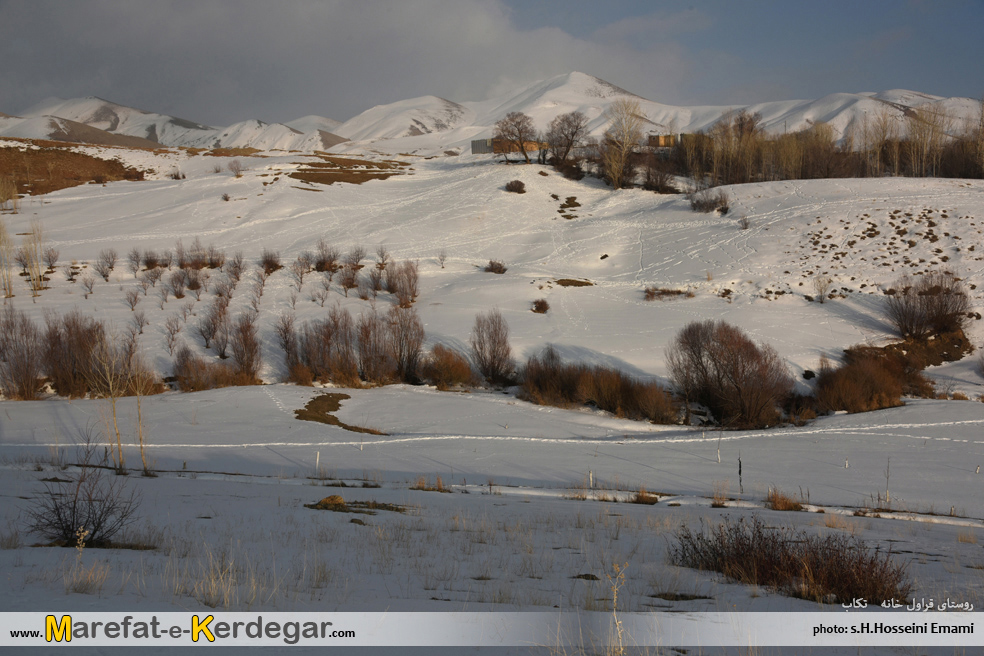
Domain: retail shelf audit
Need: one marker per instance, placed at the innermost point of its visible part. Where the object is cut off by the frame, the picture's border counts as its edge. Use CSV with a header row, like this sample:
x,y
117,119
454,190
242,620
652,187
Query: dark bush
x,y
826,569
708,200
540,306
270,261
546,380
495,266
717,365
516,186
446,368
376,364
570,169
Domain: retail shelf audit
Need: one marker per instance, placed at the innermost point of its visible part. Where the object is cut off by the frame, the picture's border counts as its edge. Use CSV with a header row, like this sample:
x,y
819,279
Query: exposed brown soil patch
x,y
52,166
319,408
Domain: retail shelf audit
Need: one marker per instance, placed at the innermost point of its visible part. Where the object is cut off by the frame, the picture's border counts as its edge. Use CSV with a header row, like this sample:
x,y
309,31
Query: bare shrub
x,y
88,284
829,569
406,339
861,386
236,266
176,283
349,278
298,269
133,259
51,257
151,260
214,258
376,364
446,368
516,187
540,306
326,347
69,343
937,303
245,346
196,282
490,347
495,266
546,380
172,326
270,261
382,256
139,321
716,364
236,168
210,321
194,373
355,256
287,338
108,258
326,259
665,293
442,256
709,200
86,506
21,355
403,280
131,297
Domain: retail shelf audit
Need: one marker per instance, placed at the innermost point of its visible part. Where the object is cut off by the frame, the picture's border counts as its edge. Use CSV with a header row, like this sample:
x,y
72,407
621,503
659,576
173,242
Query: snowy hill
x,y
431,125
546,99
111,118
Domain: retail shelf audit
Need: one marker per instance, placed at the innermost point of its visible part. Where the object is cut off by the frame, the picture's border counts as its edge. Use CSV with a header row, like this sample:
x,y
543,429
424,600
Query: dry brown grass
x,y
232,152
779,501
53,166
720,494
571,282
643,497
664,293
342,169
423,485
967,537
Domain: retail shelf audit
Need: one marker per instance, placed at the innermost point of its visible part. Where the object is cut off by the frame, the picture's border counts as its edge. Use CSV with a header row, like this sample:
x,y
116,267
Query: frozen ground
x,y
236,467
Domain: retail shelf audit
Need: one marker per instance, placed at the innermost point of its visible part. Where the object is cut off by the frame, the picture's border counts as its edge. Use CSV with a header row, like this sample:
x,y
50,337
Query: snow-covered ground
x,y
236,467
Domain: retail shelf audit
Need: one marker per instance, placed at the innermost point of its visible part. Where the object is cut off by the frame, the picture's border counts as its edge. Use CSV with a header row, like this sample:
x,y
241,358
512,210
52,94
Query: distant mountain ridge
x,y
430,124
110,123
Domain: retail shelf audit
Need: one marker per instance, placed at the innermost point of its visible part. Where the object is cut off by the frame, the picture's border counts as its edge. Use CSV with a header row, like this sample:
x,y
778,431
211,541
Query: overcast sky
x,y
222,61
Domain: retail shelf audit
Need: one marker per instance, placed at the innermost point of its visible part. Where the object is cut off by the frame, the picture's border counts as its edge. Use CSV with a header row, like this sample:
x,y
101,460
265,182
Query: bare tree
x,y
6,260
21,355
51,257
131,298
236,168
623,135
88,283
376,364
517,130
566,133
172,326
287,338
442,256
406,338
245,346
133,261
717,365
490,347
109,376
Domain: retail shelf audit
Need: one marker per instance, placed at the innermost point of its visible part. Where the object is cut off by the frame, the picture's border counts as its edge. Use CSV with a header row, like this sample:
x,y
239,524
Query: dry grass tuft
x,y
643,497
663,293
779,501
423,485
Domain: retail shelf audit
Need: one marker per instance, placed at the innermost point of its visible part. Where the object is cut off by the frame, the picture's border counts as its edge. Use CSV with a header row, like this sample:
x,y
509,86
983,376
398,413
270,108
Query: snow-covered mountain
x,y
107,122
454,124
429,124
